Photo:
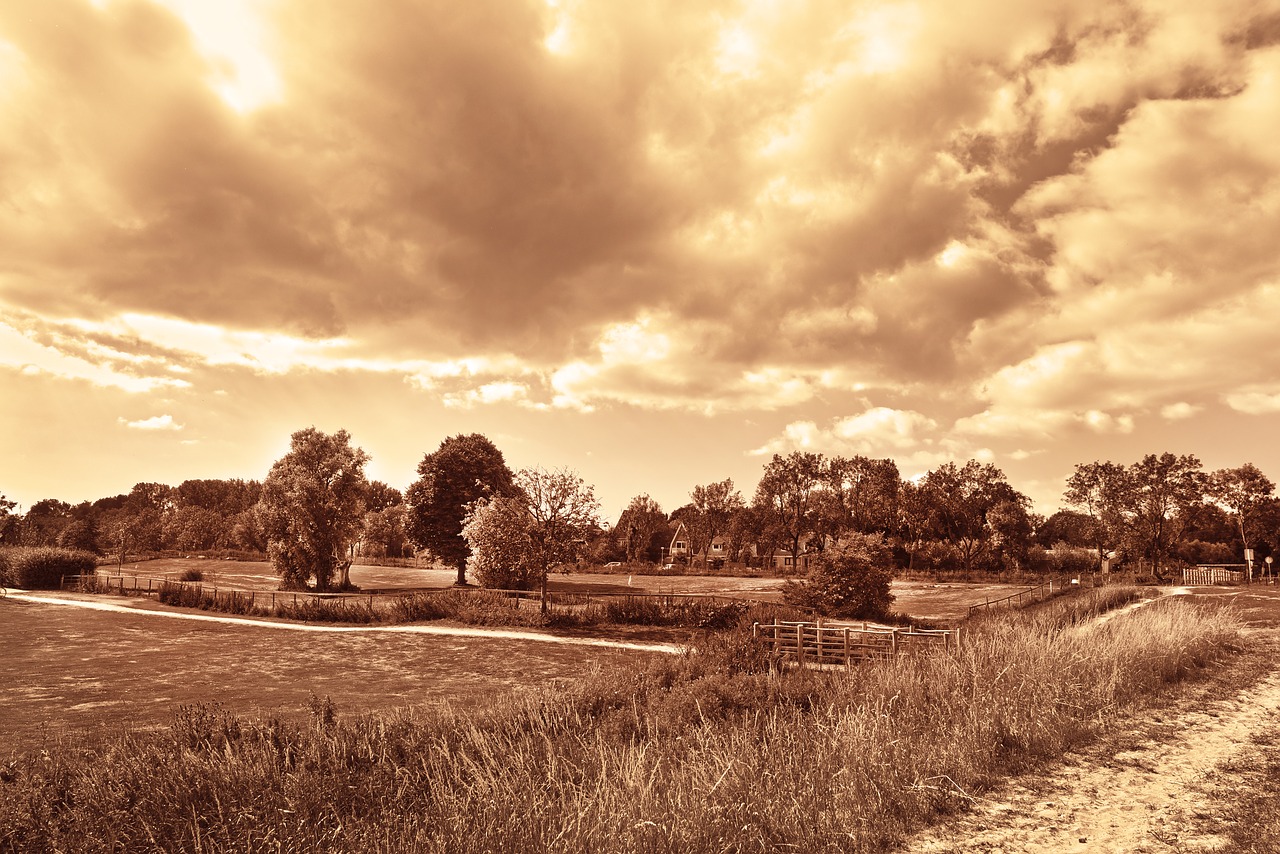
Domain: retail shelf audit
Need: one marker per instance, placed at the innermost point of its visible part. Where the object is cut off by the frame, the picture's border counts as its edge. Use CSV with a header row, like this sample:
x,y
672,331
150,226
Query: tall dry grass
x,y
699,753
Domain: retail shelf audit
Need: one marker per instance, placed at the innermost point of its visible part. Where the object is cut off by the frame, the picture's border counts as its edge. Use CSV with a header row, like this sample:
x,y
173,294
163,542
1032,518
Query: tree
x,y
313,501
1163,490
383,532
557,514
709,515
861,495
1243,492
788,498
960,500
80,533
499,533
462,471
851,578
1103,492
8,521
643,528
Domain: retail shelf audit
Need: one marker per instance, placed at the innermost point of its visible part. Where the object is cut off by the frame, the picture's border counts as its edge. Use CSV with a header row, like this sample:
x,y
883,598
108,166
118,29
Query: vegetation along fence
x,y
1209,575
267,599
817,645
144,586
1016,600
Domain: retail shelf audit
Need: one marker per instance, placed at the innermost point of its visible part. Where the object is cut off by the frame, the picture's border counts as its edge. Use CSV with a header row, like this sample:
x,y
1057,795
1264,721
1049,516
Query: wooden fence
x,y
1210,575
150,586
133,585
817,645
1015,600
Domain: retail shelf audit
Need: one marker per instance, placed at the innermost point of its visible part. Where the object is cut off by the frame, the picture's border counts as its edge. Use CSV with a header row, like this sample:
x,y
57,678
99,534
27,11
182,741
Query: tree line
x,y
315,510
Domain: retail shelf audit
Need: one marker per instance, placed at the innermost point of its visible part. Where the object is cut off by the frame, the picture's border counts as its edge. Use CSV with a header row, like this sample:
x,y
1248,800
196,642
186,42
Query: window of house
x,y
679,544
717,547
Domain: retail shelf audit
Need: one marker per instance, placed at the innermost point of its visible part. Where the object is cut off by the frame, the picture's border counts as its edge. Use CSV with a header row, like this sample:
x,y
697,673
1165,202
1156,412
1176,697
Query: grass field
x,y
920,599
73,670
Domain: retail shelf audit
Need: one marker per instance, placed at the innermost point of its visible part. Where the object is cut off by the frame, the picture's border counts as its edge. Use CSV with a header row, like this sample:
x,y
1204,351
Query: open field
x,y
69,669
920,599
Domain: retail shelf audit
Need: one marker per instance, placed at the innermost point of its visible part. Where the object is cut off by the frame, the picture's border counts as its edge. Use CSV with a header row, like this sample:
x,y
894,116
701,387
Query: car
x,y
612,564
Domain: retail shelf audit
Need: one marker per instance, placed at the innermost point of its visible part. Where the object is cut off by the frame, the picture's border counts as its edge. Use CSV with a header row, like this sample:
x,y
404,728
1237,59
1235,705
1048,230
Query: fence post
x,y
800,644
819,630
893,643
848,665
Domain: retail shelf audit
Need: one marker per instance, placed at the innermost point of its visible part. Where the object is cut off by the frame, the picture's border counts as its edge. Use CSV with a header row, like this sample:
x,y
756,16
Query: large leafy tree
x,y
462,471
1164,489
544,525
643,528
1243,492
789,497
962,502
861,495
709,514
313,503
8,520
1103,492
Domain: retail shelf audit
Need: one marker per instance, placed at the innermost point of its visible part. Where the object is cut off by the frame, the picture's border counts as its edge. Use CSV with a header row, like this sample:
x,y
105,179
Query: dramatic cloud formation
x,y
1037,233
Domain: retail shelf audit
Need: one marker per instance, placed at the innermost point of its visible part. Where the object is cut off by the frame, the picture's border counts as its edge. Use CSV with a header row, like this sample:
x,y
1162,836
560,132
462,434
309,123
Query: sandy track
x,y
1135,801
453,631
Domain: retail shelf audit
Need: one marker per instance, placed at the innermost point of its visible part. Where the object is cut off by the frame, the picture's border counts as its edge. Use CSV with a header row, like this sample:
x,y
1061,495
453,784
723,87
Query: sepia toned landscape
x,y
586,426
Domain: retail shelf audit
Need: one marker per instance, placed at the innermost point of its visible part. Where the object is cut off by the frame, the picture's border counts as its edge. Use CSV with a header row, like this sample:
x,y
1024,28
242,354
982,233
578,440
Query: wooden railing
x,y
1210,575
1015,600
817,645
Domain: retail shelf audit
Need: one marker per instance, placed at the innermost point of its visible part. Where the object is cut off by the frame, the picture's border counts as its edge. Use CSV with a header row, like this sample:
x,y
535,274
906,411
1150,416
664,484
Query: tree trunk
x,y
543,592
462,575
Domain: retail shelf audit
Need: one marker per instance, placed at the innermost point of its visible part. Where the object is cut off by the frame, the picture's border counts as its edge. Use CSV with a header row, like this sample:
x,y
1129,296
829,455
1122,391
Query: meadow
x,y
674,753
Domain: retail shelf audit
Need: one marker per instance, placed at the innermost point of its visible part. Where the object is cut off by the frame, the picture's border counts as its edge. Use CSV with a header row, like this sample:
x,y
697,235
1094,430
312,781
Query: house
x,y
680,547
811,545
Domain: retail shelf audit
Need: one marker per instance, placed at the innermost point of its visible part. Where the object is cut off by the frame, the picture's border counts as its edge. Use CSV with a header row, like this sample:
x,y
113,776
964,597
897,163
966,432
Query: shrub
x,y
849,579
192,573
195,596
43,568
312,609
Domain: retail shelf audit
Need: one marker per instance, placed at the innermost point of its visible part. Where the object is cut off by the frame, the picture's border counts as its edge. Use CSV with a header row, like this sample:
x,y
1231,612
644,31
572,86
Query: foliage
x,y
709,515
851,578
788,498
206,599
80,534
501,544
314,609
542,527
1244,492
666,756
462,471
862,495
42,567
1164,488
961,500
313,501
644,529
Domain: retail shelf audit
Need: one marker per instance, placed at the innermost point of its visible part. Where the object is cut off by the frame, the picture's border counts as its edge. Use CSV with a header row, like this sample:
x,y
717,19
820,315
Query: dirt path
x,y
452,631
1134,800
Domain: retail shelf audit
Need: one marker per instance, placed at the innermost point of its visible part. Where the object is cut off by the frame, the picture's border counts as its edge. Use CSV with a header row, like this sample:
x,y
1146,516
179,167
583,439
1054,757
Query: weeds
x,y
695,753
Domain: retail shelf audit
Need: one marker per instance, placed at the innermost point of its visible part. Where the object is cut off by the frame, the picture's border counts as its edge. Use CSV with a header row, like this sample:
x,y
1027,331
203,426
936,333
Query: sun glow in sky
x,y
231,36
652,242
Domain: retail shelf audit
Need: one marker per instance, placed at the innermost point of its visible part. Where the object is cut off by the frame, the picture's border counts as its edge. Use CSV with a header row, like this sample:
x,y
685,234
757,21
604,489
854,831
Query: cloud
x,y
1060,212
157,422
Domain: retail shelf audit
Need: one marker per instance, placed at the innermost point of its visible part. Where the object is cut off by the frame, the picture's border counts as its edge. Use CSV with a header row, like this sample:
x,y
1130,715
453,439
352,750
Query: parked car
x,y
612,564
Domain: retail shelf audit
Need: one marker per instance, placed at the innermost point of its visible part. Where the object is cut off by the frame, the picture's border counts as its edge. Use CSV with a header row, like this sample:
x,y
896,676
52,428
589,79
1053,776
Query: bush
x,y
192,573
849,579
43,568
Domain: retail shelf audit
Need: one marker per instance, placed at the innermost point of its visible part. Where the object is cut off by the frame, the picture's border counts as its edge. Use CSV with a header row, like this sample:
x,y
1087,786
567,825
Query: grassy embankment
x,y
693,754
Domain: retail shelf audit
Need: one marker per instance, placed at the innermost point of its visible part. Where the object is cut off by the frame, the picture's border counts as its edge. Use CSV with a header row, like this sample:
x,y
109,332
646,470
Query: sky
x,y
655,243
